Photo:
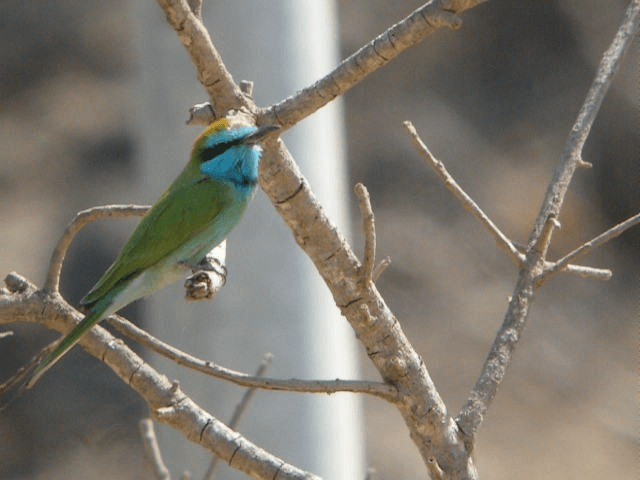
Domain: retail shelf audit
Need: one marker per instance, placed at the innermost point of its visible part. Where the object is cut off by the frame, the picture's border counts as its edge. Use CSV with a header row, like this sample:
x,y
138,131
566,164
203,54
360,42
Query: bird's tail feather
x,y
66,344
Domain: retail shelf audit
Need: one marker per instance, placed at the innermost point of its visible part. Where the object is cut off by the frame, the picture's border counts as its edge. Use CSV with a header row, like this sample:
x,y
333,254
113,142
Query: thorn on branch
x,y
17,283
541,245
585,165
246,86
164,412
369,228
382,266
201,114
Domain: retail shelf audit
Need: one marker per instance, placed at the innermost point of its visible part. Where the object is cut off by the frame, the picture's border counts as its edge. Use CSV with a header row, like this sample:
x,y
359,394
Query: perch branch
x,y
499,358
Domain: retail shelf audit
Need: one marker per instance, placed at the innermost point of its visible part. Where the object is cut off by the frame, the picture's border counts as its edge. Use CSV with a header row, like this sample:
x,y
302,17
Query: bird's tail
x,y
66,344
28,375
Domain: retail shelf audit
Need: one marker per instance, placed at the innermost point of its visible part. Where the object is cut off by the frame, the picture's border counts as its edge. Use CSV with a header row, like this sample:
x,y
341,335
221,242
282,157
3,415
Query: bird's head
x,y
233,130
229,149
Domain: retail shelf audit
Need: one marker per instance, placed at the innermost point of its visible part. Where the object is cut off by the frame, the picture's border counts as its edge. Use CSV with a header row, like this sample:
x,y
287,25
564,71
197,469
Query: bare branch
x,y
499,358
6,334
586,247
385,47
369,229
152,450
572,154
81,220
212,73
167,402
240,409
467,202
142,337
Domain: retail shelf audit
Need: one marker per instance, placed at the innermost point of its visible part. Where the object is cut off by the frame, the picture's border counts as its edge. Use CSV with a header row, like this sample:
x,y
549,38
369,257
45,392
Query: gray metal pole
x,y
274,300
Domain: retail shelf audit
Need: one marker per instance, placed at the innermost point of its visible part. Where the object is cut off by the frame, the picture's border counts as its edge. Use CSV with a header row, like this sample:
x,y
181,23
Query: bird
x,y
195,214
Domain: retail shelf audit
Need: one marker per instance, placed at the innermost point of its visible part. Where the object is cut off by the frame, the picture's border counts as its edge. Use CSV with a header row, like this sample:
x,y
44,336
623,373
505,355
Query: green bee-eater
x,y
194,215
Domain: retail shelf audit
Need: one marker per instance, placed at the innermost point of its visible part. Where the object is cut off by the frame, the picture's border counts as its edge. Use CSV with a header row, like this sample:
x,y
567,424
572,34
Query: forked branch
x,y
499,358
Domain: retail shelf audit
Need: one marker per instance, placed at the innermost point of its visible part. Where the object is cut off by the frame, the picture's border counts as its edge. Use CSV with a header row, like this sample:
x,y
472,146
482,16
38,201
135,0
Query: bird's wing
x,y
179,215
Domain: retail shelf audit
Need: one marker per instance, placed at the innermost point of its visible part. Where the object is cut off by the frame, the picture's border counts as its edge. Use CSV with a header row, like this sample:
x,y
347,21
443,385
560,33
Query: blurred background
x,y
494,101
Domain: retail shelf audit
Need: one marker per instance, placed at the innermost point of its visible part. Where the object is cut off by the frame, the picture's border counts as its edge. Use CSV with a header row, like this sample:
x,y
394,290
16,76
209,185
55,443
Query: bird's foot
x,y
207,264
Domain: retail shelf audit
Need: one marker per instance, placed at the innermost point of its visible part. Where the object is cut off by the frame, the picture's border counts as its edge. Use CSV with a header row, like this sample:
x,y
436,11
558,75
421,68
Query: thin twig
x,y
152,450
141,336
589,273
586,247
369,229
467,202
240,409
494,370
81,220
6,334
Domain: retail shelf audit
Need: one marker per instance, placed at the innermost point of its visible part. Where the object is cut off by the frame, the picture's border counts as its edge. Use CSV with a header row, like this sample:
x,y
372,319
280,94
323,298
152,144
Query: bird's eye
x,y
218,149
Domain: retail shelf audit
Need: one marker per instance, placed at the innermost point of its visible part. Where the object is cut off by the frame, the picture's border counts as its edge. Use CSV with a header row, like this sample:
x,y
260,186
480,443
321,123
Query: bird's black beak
x,y
260,134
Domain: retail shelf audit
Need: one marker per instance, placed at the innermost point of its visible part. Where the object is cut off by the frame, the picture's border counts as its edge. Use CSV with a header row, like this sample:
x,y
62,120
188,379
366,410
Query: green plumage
x,y
195,214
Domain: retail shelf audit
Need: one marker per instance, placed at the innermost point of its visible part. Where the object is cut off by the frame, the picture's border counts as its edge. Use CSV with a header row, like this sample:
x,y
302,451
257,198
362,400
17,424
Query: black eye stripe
x,y
218,149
